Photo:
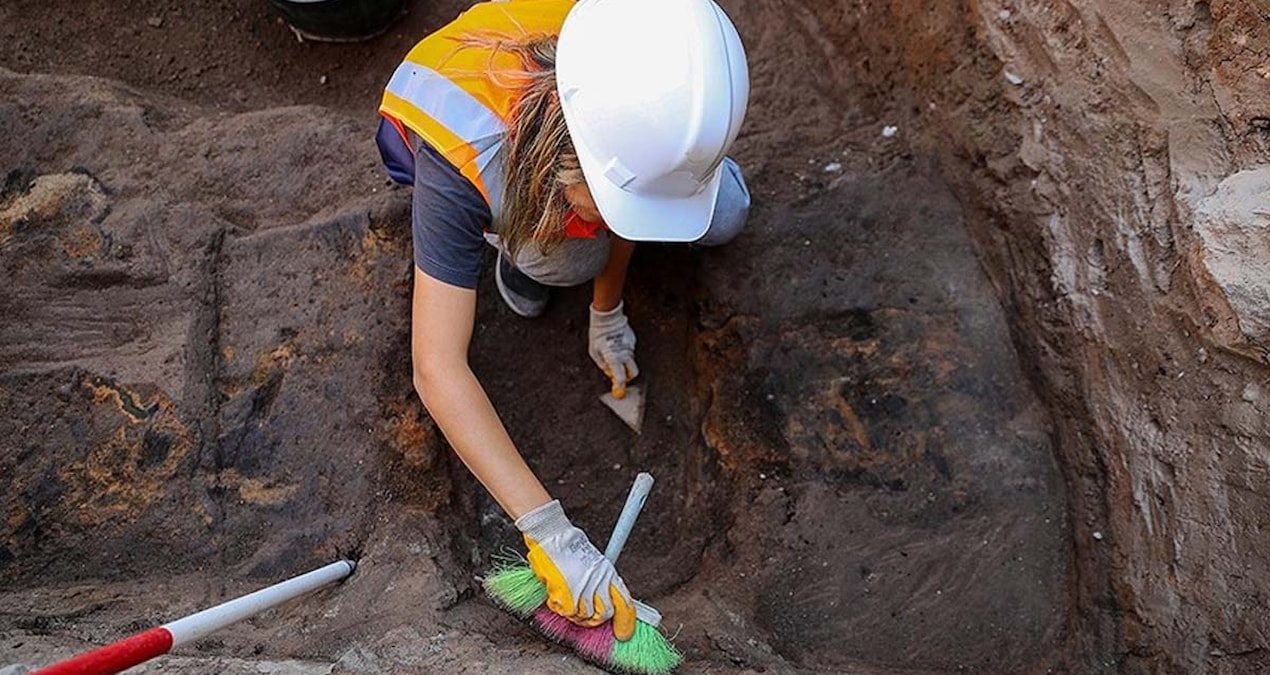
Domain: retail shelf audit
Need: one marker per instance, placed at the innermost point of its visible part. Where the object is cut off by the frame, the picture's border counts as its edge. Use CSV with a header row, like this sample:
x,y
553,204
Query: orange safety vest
x,y
452,96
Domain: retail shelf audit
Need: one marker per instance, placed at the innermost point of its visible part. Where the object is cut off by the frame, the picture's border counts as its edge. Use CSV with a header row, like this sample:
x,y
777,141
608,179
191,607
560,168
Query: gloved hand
x,y
612,347
582,585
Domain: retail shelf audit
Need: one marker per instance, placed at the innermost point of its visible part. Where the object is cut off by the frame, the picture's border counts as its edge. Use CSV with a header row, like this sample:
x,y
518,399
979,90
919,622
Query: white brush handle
x,y
630,512
647,614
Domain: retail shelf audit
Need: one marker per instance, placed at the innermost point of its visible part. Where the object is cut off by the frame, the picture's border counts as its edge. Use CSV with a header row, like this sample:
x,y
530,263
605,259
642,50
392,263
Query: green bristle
x,y
517,589
648,652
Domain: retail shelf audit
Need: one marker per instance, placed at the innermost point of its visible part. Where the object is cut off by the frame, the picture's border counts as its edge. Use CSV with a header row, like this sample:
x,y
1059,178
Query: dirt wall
x,y
1111,158
209,379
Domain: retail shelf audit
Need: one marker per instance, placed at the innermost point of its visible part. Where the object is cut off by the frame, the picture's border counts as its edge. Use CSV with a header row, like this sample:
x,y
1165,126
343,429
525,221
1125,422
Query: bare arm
x,y
442,317
608,286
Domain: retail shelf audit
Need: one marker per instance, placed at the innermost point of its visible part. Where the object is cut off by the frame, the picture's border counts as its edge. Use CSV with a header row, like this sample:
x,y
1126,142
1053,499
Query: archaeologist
x,y
560,134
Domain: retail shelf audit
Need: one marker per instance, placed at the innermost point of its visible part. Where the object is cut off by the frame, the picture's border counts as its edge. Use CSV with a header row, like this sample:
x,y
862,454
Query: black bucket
x,y
339,20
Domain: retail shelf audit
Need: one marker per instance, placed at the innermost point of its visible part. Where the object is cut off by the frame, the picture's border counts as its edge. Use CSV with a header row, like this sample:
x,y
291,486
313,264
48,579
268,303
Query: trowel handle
x,y
626,521
630,512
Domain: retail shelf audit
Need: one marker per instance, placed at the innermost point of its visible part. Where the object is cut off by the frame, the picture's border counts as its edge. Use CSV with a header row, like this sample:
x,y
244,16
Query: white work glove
x,y
582,584
612,347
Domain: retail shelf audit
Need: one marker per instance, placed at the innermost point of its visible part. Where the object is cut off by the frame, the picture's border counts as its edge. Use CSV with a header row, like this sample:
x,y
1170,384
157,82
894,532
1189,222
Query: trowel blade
x,y
629,408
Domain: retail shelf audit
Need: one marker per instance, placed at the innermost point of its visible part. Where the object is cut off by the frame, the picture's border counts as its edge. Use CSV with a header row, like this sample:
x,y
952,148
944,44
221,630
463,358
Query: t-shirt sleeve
x,y
448,221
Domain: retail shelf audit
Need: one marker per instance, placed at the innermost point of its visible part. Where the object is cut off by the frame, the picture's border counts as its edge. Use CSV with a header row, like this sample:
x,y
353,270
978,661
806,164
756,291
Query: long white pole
x,y
196,626
143,646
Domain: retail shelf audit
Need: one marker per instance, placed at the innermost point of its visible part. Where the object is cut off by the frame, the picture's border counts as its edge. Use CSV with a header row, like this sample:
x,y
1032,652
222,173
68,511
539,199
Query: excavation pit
x,y
937,410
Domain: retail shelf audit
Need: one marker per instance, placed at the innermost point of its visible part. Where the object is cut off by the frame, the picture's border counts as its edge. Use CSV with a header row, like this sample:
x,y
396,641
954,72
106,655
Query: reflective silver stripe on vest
x,y
490,164
455,109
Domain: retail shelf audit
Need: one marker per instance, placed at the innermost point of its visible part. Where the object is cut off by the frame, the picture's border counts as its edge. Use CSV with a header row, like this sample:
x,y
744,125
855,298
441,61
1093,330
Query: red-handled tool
x,y
146,645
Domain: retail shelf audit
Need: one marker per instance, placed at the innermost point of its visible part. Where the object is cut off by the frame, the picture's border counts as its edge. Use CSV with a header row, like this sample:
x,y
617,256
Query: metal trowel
x,y
629,408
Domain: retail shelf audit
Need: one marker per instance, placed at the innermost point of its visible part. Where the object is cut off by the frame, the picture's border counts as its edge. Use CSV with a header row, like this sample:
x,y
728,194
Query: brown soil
x,y
204,371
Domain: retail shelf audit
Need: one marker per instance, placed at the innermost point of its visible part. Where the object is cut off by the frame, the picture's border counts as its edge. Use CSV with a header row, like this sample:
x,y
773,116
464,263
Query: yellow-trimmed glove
x,y
582,584
612,346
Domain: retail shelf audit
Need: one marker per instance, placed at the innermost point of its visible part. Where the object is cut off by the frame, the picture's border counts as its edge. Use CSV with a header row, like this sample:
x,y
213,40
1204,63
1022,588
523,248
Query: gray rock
x,y
1233,225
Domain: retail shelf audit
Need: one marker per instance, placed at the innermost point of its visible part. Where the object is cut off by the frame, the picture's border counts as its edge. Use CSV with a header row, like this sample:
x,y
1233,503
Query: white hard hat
x,y
653,93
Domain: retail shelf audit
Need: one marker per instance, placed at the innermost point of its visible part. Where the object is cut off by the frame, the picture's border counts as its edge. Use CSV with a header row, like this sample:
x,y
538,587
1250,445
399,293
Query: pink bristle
x,y
557,627
592,643
595,643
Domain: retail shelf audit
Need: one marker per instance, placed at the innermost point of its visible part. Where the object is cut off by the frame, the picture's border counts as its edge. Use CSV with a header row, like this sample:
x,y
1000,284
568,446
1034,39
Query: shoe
x,y
526,297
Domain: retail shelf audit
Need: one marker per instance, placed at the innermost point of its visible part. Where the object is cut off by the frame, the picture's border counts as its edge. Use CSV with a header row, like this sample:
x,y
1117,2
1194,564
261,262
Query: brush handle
x,y
647,613
630,512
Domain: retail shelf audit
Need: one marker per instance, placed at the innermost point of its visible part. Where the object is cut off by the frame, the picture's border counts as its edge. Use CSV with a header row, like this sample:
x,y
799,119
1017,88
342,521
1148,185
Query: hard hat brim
x,y
644,217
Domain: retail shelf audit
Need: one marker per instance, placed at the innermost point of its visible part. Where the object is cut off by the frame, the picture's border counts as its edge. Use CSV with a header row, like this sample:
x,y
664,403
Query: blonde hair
x,y
539,158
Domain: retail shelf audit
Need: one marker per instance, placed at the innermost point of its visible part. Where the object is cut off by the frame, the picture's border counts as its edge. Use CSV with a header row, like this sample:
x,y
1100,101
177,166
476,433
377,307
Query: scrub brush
x,y
648,652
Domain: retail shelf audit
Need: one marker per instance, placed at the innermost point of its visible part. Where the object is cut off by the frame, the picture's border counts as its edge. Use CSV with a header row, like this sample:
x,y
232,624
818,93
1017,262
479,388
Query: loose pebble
x,y
889,131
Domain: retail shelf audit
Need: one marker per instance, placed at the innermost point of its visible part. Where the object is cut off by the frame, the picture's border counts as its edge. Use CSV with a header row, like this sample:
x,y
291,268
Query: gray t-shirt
x,y
448,221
